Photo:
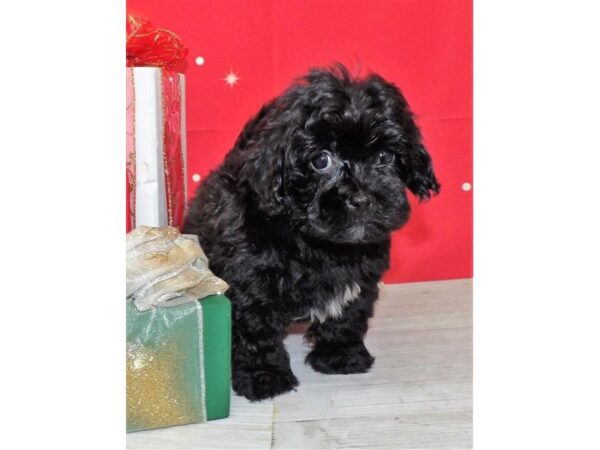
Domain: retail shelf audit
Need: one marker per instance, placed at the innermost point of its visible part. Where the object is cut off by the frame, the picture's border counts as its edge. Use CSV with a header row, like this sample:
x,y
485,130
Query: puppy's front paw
x,y
261,383
340,359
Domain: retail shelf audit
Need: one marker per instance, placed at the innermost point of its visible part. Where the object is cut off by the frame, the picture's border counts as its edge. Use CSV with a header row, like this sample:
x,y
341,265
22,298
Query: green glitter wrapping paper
x,y
178,363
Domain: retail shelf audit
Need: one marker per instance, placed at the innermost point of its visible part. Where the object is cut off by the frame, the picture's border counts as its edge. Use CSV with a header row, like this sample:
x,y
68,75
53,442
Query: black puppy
x,y
298,220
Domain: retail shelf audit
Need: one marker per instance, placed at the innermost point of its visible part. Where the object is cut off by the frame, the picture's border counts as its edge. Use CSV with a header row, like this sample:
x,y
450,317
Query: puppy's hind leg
x,y
261,364
338,346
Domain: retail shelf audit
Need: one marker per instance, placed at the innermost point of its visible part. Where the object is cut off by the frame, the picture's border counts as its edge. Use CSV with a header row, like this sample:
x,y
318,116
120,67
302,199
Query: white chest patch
x,y
333,308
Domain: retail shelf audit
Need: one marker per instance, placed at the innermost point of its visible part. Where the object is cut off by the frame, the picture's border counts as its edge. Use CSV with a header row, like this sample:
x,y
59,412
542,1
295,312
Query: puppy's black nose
x,y
357,202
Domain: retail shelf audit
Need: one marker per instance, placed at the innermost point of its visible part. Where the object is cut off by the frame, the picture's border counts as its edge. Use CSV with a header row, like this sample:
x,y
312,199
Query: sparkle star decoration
x,y
231,79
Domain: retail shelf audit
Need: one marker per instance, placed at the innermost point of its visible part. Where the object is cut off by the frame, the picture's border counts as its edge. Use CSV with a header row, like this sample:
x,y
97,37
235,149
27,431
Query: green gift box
x,y
178,363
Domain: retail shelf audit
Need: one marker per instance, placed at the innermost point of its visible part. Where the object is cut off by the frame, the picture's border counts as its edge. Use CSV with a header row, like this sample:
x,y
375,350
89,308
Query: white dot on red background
x,y
196,177
200,60
466,187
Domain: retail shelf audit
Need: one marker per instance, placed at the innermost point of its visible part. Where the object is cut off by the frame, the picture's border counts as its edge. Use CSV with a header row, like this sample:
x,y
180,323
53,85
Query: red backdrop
x,y
424,46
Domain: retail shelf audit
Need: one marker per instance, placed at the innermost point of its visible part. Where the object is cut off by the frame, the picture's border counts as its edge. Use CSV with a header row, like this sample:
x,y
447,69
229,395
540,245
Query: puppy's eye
x,y
321,162
385,158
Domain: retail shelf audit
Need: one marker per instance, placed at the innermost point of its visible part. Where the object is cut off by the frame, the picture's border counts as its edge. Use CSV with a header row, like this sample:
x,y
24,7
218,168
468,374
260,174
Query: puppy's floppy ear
x,y
260,151
419,175
415,163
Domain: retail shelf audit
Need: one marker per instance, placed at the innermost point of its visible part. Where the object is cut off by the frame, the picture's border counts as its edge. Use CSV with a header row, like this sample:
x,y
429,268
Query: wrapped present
x,y
156,146
178,332
178,363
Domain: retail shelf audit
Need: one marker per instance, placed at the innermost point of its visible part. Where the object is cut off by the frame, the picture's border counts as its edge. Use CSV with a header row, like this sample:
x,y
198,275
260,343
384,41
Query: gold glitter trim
x,y
131,160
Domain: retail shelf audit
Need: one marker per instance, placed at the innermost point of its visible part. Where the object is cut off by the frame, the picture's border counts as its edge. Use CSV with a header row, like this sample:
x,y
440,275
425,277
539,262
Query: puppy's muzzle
x,y
357,203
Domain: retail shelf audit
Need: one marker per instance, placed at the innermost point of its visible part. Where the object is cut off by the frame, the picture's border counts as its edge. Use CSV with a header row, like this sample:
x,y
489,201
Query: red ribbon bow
x,y
151,46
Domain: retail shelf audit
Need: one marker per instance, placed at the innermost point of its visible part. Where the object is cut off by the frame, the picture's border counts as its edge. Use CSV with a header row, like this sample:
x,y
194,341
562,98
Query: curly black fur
x,y
299,242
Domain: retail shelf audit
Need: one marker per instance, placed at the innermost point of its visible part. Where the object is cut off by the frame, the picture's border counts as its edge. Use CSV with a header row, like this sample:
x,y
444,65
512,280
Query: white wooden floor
x,y
417,395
